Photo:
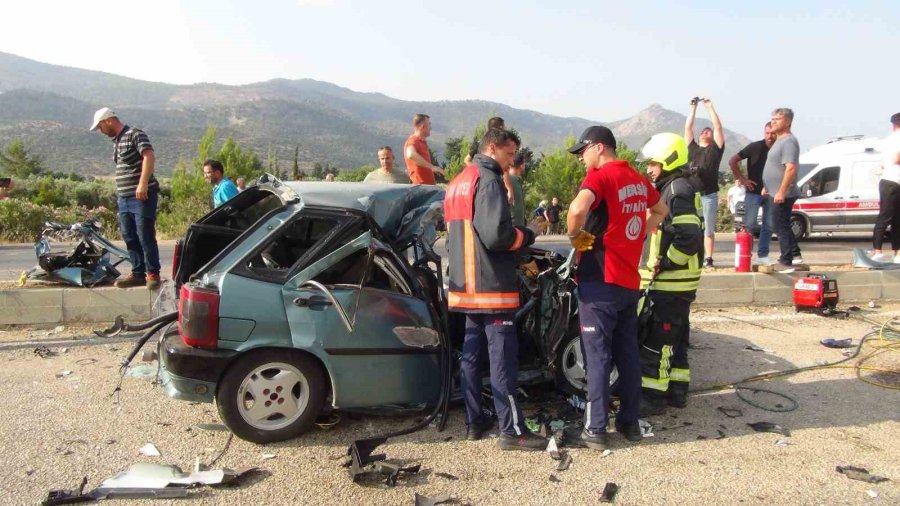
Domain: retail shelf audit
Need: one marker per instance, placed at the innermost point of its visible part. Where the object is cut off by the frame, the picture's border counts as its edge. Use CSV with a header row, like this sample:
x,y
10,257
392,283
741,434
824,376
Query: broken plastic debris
x,y
58,329
609,492
606,453
730,412
557,425
837,343
446,476
142,371
267,456
424,500
872,304
577,402
44,352
646,428
753,347
532,425
63,374
551,446
770,427
564,462
149,450
860,474
782,442
554,479
873,494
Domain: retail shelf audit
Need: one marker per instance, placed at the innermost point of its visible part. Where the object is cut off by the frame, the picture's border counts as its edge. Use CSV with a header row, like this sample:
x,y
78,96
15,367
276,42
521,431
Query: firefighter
x,y
612,204
670,272
483,242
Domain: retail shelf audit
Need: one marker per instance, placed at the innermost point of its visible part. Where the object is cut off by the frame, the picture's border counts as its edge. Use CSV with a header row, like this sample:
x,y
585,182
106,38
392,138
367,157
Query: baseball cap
x,y
592,135
100,115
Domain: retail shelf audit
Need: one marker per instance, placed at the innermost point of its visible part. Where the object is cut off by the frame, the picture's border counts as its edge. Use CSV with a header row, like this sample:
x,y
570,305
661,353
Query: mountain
x,y
50,107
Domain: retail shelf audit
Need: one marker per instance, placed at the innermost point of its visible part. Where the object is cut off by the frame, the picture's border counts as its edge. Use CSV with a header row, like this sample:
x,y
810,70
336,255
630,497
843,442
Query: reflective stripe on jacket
x,y
678,243
482,241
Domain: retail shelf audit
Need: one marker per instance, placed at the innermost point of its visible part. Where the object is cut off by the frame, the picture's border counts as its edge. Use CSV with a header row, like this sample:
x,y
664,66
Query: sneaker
x,y
152,281
784,269
764,260
897,259
677,399
651,406
630,430
878,257
474,431
528,442
708,262
130,280
596,440
797,261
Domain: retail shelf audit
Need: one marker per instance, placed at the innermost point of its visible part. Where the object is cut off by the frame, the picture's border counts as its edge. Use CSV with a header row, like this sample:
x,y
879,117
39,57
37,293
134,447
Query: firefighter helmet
x,y
666,149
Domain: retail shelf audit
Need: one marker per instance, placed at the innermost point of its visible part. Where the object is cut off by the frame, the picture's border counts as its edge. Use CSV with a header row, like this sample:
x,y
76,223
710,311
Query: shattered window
x,y
382,275
282,252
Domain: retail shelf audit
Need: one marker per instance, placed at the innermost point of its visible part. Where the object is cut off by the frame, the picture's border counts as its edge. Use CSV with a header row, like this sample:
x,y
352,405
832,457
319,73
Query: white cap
x,y
101,115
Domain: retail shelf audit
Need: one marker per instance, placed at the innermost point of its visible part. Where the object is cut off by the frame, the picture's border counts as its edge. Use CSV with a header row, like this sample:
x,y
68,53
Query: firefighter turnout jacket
x,y
482,241
678,243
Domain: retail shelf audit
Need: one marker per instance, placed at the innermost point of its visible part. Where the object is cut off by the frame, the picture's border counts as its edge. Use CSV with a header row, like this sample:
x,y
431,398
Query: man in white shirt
x,y
889,192
735,194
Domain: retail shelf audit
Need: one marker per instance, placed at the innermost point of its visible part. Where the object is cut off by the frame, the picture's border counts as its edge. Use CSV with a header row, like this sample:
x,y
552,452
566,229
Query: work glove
x,y
582,241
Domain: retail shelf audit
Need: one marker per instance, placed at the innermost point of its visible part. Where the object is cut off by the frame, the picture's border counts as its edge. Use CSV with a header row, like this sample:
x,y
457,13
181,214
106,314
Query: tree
x,y
295,169
557,175
453,149
355,175
317,171
17,162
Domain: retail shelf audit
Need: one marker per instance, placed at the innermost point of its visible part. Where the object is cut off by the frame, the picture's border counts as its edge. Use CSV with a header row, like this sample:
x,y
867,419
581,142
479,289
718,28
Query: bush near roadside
x,y
21,221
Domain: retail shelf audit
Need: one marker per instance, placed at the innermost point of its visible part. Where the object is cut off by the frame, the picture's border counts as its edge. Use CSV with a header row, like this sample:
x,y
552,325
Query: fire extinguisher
x,y
743,249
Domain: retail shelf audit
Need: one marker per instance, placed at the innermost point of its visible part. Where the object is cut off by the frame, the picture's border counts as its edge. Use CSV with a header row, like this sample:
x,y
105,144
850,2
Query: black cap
x,y
593,135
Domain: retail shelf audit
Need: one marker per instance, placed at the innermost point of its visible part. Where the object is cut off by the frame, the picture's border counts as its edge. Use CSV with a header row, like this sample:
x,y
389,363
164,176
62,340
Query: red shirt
x,y
418,175
618,218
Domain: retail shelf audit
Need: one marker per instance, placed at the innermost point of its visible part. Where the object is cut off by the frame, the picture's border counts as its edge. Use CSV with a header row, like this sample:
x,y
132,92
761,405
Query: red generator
x,y
815,292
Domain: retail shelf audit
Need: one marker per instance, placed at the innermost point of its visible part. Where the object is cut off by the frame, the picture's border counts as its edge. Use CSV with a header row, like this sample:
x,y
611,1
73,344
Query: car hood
x,y
402,211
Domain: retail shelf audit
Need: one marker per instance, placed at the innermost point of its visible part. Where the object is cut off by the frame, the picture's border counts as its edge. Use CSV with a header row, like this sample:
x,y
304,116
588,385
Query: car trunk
x,y
214,233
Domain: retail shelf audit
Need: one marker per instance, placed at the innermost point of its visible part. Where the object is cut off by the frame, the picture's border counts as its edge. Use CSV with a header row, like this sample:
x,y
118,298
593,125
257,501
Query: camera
x,y
695,100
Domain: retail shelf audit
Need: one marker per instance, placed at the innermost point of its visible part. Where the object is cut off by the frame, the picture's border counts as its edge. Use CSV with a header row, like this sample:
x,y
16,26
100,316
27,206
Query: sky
x,y
833,63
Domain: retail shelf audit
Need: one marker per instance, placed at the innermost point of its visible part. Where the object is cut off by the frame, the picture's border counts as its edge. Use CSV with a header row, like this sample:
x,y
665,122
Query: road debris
x,y
873,494
753,347
646,428
860,474
837,343
770,427
212,427
564,462
609,492
267,456
63,374
730,412
447,476
424,500
783,442
553,479
149,450
44,352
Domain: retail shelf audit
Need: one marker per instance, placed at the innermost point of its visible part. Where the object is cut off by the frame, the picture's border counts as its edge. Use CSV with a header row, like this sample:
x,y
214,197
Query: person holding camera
x,y
705,155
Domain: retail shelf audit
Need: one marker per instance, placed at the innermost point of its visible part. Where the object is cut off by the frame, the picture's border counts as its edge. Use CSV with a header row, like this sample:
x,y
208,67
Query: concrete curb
x,y
58,306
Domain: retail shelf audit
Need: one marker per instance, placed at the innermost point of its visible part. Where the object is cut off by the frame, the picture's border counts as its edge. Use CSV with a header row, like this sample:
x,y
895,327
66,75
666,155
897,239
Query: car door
x,y
863,199
822,200
356,311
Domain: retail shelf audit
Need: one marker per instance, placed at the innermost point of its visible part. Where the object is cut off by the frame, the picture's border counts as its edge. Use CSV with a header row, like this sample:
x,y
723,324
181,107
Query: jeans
x,y
752,204
888,214
137,222
710,204
781,220
609,335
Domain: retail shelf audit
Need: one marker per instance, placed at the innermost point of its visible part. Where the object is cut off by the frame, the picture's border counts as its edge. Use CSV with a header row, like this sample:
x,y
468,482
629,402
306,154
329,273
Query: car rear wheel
x,y
271,395
570,370
798,226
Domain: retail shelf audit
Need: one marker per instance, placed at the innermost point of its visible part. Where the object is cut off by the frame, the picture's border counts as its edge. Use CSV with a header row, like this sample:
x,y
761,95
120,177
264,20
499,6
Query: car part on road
x,y
862,259
446,476
860,474
769,427
44,352
565,460
87,264
609,492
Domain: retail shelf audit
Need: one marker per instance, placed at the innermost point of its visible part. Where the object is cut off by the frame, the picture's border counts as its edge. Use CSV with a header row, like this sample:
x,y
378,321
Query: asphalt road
x,y
819,250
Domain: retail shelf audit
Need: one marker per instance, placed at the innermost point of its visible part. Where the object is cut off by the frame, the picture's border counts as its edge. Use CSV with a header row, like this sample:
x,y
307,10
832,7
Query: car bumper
x,y
188,373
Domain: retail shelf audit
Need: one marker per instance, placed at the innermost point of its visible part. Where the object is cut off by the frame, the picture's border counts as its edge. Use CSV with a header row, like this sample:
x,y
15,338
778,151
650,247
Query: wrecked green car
x,y
294,298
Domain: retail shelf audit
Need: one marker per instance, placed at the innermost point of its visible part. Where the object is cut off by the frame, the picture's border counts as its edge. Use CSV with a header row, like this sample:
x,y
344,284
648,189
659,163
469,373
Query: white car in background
x,y
838,187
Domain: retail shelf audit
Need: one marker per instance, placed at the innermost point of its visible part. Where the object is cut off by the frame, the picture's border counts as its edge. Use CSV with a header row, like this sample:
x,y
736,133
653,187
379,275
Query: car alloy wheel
x,y
571,370
271,395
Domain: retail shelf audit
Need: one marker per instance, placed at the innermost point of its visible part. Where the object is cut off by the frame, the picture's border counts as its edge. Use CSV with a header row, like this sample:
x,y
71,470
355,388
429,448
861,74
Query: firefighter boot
x,y
677,395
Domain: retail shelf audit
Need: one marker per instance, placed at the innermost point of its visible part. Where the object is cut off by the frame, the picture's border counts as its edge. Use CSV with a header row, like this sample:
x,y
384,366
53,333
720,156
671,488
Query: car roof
x,y
398,209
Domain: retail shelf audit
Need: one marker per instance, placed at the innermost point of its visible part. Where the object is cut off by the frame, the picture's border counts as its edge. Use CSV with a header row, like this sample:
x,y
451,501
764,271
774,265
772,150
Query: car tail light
x,y
176,256
198,317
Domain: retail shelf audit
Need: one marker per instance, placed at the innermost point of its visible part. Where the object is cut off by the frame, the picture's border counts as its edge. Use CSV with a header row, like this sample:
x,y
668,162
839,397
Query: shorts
x,y
710,204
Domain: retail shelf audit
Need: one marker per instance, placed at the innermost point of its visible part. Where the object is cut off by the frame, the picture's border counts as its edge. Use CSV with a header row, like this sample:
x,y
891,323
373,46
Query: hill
x,y
50,108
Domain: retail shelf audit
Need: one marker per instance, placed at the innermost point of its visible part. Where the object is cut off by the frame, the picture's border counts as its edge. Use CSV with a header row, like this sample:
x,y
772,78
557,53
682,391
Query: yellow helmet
x,y
666,149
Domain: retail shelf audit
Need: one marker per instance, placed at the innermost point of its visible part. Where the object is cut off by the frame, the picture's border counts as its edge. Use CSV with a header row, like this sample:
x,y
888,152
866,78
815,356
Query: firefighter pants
x,y
609,328
503,351
664,350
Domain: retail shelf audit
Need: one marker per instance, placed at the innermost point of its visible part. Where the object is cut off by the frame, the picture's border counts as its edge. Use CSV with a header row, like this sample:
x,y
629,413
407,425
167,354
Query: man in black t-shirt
x,y
552,215
704,156
755,153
